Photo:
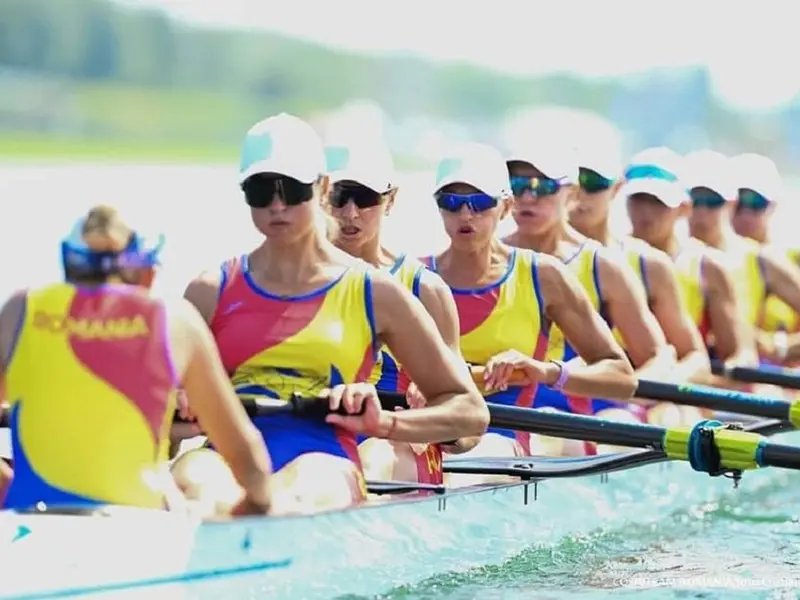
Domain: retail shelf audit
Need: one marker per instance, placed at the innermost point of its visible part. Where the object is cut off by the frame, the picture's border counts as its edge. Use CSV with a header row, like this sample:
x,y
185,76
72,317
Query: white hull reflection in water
x,y
365,551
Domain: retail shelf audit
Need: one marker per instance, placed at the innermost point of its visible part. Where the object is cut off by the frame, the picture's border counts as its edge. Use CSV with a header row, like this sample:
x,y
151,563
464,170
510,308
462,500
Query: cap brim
x,y
669,193
266,166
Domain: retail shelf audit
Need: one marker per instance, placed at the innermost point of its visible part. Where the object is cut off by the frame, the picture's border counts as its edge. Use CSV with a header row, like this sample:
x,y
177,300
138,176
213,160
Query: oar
x,y
767,374
721,399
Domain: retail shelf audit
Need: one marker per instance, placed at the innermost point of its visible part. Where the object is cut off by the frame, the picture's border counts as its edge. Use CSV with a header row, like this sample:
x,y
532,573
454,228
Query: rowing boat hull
x,y
363,551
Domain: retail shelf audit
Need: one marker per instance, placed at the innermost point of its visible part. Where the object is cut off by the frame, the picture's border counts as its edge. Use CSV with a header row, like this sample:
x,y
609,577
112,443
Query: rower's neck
x,y
546,242
293,264
601,232
470,264
371,252
670,245
721,239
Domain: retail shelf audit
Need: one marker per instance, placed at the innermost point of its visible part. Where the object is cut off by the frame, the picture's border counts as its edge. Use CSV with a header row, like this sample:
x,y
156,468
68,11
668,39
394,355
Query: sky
x,y
746,45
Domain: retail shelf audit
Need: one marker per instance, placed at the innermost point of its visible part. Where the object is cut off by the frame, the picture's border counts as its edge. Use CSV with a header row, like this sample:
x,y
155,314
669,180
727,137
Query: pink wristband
x,y
563,375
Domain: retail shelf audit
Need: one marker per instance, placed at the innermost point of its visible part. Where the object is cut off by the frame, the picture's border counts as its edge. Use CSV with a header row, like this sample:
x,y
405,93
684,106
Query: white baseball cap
x,y
479,165
554,159
658,172
758,173
285,145
710,169
369,164
605,161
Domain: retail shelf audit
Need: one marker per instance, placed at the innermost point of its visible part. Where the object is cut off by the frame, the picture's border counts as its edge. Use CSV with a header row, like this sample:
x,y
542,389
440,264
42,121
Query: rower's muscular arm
x,y
437,299
676,322
733,342
626,302
782,278
604,370
216,405
455,407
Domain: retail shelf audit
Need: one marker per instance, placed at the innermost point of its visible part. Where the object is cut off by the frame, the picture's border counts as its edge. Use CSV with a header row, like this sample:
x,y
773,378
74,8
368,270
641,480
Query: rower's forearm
x,y
252,468
454,417
464,444
610,378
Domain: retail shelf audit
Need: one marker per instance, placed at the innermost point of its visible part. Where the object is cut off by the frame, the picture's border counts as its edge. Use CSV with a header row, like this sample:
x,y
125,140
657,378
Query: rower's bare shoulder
x,y
717,270
658,264
203,291
555,279
431,285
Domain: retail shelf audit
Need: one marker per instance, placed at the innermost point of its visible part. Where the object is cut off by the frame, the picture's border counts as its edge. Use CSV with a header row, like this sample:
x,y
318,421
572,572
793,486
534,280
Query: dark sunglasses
x,y
362,196
751,200
592,182
706,198
260,190
477,203
538,186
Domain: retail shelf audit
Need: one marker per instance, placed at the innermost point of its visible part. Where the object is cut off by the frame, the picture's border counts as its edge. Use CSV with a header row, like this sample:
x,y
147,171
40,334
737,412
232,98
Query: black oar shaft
x,y
715,399
767,374
780,455
576,427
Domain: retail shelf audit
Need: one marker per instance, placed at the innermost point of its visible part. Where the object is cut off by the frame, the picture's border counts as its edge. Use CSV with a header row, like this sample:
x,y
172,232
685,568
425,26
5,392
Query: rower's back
x,y
744,262
91,387
90,382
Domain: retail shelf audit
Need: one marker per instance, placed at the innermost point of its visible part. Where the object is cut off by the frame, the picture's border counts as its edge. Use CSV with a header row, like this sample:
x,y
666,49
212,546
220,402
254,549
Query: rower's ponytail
x,y
105,231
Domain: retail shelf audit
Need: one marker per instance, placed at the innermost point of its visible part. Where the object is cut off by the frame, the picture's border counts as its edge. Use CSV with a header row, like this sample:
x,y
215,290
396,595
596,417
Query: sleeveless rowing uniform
x,y
776,314
506,315
583,264
389,376
633,253
92,392
691,285
748,279
273,346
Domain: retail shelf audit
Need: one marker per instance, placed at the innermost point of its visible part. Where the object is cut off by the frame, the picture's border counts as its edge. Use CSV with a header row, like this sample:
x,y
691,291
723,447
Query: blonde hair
x,y
104,230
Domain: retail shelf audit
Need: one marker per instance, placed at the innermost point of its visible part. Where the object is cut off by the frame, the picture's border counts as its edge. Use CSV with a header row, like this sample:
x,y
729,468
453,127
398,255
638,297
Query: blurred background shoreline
x,y
112,81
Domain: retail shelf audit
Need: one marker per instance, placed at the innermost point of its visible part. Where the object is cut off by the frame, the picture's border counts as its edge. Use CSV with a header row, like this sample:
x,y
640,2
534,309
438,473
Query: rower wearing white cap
x,y
507,298
543,179
759,189
759,271
363,192
298,315
656,199
600,180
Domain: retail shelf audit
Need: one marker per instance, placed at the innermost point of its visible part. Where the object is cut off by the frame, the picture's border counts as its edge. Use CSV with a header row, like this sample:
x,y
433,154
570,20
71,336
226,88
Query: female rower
x,y
542,181
759,188
656,199
98,432
507,298
363,191
759,271
298,315
600,180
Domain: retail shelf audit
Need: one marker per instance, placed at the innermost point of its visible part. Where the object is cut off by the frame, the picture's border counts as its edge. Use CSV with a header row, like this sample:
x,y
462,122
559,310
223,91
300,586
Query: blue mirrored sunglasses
x,y
475,202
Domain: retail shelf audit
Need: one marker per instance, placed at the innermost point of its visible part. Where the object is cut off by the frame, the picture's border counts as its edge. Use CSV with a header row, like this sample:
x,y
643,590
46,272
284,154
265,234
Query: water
x,y
744,546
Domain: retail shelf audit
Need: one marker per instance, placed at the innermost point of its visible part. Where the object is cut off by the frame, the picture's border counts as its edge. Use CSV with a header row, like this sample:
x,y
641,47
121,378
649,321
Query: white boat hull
x,y
364,551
